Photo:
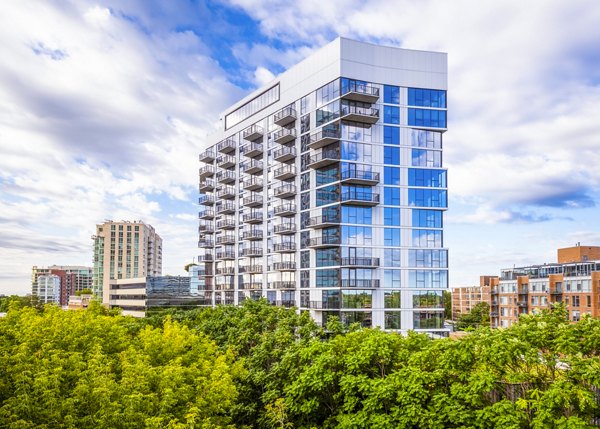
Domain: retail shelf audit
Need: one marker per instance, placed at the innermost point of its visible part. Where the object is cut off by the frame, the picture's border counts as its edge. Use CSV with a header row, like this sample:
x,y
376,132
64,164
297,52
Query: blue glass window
x,y
392,236
391,135
427,178
353,235
358,215
391,216
391,278
391,258
428,258
391,196
327,195
391,115
391,175
427,218
327,257
426,158
427,118
391,94
427,198
327,278
426,97
433,279
391,155
426,238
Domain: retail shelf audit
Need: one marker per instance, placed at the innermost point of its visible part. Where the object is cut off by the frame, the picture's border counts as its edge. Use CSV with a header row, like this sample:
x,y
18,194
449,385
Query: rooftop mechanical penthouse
x,y
325,190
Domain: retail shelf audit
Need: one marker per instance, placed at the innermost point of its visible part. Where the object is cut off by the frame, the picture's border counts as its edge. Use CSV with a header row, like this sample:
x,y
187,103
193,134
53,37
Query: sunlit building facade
x,y
325,190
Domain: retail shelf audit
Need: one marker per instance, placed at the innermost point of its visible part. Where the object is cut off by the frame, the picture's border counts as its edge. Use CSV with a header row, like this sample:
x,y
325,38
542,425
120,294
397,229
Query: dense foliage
x,y
267,367
478,316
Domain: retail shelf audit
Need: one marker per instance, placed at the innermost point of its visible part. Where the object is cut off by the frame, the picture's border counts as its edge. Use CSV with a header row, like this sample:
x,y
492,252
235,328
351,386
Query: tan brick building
x,y
465,298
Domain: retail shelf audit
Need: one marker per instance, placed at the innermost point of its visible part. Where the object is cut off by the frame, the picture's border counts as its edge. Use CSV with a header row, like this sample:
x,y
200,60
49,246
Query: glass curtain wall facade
x,y
332,204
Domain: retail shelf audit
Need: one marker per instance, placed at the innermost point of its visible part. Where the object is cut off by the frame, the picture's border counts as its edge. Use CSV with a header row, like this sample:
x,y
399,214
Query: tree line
x,y
260,366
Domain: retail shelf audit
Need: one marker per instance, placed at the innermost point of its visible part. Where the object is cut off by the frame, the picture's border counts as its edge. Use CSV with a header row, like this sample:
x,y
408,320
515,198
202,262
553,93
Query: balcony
x,y
360,283
523,291
206,171
324,137
358,198
324,221
284,154
224,283
325,305
252,167
252,149
284,266
283,285
206,257
252,133
367,115
253,184
207,185
287,303
253,234
255,217
226,146
225,271
206,244
226,177
556,292
359,177
324,158
285,172
284,135
522,304
206,200
251,285
285,247
285,191
325,241
226,208
285,228
207,156
359,262
251,269
226,239
226,223
225,255
206,228
252,251
206,214
364,93
253,200
226,161
285,210
285,116
226,192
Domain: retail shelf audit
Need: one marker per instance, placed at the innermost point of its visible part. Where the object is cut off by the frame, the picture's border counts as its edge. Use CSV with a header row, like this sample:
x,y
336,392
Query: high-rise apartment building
x,y
124,250
325,190
47,289
71,279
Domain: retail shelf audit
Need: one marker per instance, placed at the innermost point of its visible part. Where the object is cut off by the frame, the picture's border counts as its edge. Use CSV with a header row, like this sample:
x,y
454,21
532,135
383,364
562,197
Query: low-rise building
x,y
466,297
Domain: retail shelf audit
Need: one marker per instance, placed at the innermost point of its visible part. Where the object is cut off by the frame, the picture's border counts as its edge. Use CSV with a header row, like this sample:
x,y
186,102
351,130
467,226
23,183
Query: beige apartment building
x,y
467,297
124,250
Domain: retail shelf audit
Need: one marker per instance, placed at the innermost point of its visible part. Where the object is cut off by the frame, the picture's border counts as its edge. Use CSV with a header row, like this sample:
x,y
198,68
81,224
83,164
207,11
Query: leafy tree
x,y
447,305
478,316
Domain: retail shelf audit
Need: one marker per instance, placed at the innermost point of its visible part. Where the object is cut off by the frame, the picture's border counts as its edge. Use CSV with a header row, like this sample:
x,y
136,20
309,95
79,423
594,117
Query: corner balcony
x,y
363,93
360,262
227,223
226,239
324,241
324,137
252,133
285,172
285,191
360,198
206,171
324,221
206,244
285,247
224,283
251,285
252,167
206,257
221,271
323,159
253,235
206,228
360,283
251,269
251,150
252,252
284,135
284,154
283,285
286,228
225,255
206,200
367,115
285,116
255,217
285,210
253,200
253,184
284,266
226,176
206,185
206,214
359,177
226,146
207,156
226,208
226,192
226,161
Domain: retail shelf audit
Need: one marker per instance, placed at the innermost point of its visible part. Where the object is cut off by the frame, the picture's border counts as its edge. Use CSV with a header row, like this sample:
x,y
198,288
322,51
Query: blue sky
x,y
104,106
